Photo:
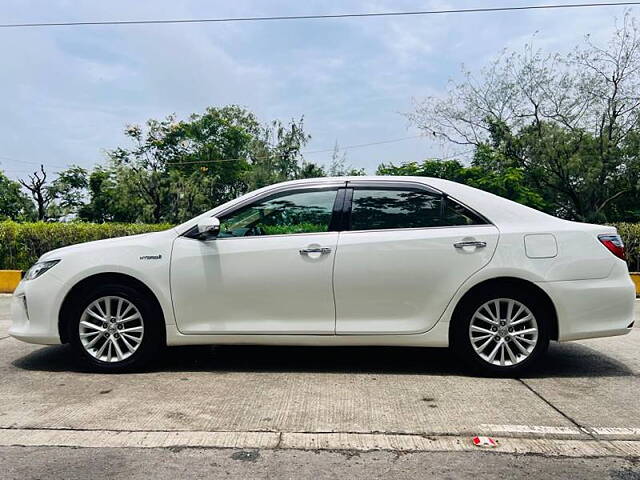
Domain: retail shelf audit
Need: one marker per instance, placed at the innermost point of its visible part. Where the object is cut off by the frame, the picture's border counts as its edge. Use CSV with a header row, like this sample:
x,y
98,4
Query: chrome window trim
x,y
224,239
483,225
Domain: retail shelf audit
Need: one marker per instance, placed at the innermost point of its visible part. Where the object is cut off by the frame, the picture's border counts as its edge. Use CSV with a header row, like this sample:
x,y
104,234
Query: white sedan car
x,y
403,261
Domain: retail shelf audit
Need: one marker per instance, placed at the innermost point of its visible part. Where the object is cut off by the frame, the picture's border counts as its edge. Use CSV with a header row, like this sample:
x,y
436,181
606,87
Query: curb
x,y
635,277
9,280
311,441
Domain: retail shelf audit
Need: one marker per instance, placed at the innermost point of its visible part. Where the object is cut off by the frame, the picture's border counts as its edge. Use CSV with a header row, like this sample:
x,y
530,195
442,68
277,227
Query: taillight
x,y
614,244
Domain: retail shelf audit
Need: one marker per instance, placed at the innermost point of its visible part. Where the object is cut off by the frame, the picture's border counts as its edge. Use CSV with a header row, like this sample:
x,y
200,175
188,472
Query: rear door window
x,y
392,208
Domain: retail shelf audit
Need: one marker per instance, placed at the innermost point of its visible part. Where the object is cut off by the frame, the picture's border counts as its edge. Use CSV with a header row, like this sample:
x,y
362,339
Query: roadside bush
x,y
630,233
21,244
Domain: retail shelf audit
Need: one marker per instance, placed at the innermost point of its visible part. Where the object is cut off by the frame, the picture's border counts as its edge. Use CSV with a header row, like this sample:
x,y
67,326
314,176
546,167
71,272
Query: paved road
x,y
580,410
162,464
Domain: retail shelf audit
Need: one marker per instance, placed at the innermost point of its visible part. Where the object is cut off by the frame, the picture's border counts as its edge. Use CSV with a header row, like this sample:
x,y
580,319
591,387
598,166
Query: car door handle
x,y
320,250
471,243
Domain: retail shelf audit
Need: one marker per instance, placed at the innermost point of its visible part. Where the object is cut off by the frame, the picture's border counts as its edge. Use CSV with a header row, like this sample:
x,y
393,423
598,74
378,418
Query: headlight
x,y
39,268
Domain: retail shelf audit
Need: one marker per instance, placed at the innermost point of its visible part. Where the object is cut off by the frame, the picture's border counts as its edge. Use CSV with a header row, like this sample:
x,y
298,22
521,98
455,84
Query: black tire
x,y
461,343
153,339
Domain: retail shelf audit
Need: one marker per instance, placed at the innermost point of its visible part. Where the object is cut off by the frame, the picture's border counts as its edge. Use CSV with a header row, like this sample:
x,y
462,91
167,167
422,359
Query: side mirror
x,y
209,227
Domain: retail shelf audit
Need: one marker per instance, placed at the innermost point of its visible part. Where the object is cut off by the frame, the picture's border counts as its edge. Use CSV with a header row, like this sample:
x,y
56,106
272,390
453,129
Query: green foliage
x,y
21,244
13,202
276,154
492,173
565,168
176,169
630,233
447,169
311,170
305,227
508,183
113,197
67,192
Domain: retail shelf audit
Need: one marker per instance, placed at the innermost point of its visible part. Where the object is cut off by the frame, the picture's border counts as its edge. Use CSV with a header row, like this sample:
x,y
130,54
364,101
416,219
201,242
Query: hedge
x,y
630,233
21,244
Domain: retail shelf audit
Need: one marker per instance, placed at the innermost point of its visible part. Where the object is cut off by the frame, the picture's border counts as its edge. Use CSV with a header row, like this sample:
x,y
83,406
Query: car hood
x,y
108,243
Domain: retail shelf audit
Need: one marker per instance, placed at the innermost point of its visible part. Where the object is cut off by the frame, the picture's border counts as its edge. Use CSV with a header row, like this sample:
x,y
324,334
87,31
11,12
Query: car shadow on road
x,y
562,360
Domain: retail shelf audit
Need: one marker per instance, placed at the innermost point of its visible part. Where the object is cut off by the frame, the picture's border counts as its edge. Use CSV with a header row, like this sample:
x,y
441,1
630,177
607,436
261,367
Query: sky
x,y
66,93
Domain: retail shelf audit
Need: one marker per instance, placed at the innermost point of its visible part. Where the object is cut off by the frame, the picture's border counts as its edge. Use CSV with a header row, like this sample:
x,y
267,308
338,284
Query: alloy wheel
x,y
111,329
503,332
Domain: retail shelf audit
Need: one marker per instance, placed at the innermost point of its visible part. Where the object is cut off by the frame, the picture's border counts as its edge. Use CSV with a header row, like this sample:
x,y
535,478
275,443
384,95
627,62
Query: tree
x,y
14,204
100,190
446,169
338,166
174,166
276,155
311,170
68,192
62,197
569,124
37,186
111,200
175,169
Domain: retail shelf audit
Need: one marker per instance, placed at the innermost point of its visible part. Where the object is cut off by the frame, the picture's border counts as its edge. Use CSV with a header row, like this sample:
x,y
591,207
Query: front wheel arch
x,y
495,284
93,281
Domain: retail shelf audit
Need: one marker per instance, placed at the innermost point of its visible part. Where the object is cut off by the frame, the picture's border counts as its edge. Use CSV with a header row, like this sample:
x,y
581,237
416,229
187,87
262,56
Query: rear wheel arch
x,y
494,285
87,284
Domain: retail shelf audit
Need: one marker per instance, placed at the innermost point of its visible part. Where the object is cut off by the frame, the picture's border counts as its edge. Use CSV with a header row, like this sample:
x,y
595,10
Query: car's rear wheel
x,y
115,328
501,332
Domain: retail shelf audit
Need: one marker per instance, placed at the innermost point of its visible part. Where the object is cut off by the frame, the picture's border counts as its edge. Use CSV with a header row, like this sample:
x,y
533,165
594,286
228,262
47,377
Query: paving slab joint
x,y
580,427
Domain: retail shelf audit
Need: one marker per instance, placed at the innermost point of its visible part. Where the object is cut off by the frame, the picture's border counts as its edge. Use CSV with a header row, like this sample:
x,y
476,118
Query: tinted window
x,y
285,213
374,209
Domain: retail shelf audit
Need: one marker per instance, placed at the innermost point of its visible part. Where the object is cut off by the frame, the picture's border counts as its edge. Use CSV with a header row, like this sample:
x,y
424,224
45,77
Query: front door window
x,y
282,214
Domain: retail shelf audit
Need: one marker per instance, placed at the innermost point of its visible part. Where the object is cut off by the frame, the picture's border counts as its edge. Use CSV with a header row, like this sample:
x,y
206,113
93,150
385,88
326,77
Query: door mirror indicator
x,y
208,227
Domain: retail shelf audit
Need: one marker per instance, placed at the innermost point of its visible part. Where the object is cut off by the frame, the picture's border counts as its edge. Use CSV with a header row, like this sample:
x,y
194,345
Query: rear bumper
x,y
593,308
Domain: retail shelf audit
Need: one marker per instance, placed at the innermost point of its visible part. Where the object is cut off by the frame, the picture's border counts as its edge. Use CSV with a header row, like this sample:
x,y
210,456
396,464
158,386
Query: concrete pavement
x,y
582,402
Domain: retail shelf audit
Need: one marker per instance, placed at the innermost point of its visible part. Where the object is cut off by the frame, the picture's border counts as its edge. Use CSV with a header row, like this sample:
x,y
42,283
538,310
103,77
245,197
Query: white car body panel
x,y
46,294
254,285
589,287
400,281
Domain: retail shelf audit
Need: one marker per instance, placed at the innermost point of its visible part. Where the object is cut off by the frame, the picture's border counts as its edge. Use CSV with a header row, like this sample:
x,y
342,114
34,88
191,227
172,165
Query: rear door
x,y
405,250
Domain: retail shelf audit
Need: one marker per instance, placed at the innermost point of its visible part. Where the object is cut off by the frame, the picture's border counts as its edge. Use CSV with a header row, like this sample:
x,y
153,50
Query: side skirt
x,y
438,336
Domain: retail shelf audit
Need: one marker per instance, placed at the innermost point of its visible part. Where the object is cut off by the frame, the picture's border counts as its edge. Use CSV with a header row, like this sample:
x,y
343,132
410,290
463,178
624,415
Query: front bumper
x,y
34,311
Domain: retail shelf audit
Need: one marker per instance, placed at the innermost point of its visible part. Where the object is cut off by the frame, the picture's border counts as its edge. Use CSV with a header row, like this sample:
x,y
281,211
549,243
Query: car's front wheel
x,y
115,328
501,333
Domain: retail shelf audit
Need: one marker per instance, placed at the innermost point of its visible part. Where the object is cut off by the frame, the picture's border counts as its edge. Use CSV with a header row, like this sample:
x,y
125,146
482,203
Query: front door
x,y
269,271
403,258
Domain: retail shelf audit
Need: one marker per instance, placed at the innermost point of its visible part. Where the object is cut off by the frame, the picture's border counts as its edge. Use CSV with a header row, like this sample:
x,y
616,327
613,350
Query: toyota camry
x,y
402,261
